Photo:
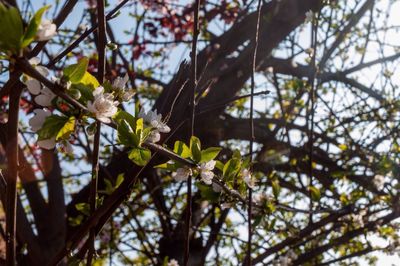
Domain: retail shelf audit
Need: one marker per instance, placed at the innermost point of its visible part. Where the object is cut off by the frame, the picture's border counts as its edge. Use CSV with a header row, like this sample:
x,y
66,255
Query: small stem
x,y
193,84
96,145
252,136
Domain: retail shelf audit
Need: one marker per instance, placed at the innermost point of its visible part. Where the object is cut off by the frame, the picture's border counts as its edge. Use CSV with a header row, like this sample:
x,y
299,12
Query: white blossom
x,y
310,51
33,86
154,120
206,171
182,174
309,16
47,144
119,85
358,219
103,106
37,121
35,61
46,30
259,198
293,63
248,178
379,181
173,262
154,136
45,97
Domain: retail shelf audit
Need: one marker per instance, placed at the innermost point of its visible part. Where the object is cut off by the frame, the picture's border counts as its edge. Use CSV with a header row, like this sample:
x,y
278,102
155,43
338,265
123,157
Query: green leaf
x,y
195,148
120,179
209,154
76,72
33,26
220,166
122,115
276,188
83,207
139,126
140,156
89,80
11,29
126,135
231,168
109,187
67,129
182,149
168,166
315,193
51,126
208,193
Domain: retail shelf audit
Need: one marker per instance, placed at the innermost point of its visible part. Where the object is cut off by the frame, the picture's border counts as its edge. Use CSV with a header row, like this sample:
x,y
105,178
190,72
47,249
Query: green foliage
x,y
11,29
276,188
207,193
209,154
33,26
182,149
231,169
75,73
315,193
52,126
110,188
127,135
67,129
140,156
83,207
195,148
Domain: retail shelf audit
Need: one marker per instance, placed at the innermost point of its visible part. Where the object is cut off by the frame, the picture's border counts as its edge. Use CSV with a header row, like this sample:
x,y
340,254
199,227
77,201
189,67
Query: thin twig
x,y
252,136
193,85
101,47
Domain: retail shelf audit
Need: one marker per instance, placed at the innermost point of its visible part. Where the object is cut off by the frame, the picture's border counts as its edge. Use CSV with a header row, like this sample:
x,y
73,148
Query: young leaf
x,y
168,166
208,193
33,26
89,80
126,135
83,207
276,188
209,154
195,148
76,72
139,125
140,156
315,193
120,179
67,129
11,29
51,126
231,168
122,115
182,149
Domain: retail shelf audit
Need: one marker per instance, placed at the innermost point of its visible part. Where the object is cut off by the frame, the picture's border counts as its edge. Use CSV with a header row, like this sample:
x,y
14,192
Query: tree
x,y
276,138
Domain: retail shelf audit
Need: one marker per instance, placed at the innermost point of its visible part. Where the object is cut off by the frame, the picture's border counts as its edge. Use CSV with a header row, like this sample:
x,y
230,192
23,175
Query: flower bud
x,y
112,46
76,94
